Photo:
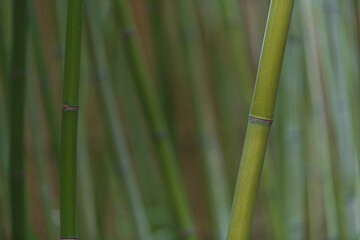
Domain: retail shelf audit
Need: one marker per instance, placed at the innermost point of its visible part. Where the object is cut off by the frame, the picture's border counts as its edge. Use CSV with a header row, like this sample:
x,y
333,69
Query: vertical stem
x,y
260,119
68,225
17,101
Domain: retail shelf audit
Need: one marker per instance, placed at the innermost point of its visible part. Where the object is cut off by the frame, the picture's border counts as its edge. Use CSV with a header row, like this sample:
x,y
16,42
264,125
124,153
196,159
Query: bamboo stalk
x,y
68,212
17,79
163,65
260,119
157,124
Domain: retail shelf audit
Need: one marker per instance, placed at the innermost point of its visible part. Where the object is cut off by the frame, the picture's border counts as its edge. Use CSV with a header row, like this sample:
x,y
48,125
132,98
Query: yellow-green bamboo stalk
x,y
260,118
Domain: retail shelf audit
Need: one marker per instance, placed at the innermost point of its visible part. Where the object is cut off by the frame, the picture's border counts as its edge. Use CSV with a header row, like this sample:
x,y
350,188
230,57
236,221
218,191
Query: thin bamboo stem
x,y
17,80
260,119
68,212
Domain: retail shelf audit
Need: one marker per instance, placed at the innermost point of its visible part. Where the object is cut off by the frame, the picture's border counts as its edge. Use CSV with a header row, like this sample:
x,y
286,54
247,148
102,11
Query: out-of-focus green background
x,y
201,59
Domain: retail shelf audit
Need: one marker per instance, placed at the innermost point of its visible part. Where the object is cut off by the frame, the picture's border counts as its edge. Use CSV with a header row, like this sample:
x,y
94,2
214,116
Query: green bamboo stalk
x,y
108,100
157,123
68,212
260,119
163,63
17,80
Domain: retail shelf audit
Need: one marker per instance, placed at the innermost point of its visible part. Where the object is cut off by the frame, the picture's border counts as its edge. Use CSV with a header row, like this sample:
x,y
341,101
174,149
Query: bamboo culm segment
x,y
261,115
68,225
17,81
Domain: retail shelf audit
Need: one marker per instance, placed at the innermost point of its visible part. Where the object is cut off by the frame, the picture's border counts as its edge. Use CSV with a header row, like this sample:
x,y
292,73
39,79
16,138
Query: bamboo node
x,y
258,120
70,108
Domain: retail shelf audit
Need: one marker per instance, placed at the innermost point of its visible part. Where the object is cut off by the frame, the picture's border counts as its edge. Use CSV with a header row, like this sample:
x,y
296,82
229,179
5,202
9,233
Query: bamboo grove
x,y
150,119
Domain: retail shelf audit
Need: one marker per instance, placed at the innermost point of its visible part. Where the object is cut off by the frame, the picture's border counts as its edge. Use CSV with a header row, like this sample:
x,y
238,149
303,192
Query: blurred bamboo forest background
x,y
200,58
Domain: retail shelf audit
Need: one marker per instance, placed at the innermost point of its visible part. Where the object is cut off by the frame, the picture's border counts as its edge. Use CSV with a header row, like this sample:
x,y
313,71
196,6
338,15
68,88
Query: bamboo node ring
x,y
258,120
70,108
